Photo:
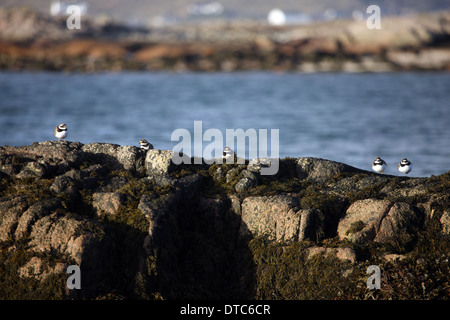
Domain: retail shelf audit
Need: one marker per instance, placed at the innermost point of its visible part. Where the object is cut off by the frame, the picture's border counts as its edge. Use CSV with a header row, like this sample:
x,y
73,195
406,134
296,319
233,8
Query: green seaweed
x,y
31,189
355,227
288,273
14,255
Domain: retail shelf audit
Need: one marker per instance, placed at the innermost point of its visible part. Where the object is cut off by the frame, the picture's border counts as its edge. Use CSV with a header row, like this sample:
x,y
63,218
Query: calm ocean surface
x,y
350,118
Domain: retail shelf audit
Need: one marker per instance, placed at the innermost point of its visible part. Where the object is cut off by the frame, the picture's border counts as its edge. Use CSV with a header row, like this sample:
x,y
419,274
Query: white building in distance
x,y
278,17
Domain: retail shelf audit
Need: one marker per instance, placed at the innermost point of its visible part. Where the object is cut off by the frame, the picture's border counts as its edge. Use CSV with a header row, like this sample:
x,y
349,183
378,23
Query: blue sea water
x,y
350,118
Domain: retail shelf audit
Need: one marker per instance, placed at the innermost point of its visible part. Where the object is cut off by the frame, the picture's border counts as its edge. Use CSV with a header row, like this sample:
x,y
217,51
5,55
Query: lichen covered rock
x,y
379,221
321,170
115,156
362,220
275,217
159,162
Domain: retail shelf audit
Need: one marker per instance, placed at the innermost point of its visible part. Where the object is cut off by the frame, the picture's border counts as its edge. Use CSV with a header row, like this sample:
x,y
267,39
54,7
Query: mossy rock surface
x,y
185,231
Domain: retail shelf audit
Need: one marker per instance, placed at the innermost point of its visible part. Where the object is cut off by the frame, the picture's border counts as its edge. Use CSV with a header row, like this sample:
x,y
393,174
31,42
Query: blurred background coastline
x,y
313,69
211,36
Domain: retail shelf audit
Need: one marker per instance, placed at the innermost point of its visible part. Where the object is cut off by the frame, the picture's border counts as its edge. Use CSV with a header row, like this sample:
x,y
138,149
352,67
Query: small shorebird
x,y
379,165
404,166
61,132
227,152
145,144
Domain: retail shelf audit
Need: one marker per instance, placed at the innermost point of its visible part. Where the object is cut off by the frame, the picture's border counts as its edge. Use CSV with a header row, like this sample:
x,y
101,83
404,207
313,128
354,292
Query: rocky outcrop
x,y
140,226
379,221
320,170
159,162
12,210
107,202
280,218
363,219
275,217
445,222
426,59
115,156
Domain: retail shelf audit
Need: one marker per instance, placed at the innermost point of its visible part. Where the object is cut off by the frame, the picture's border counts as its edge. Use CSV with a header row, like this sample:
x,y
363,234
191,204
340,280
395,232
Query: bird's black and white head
x,y
145,144
378,161
62,127
227,152
405,162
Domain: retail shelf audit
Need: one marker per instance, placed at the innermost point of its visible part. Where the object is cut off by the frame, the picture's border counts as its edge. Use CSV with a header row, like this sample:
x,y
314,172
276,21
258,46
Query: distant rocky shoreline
x,y
29,41
141,227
